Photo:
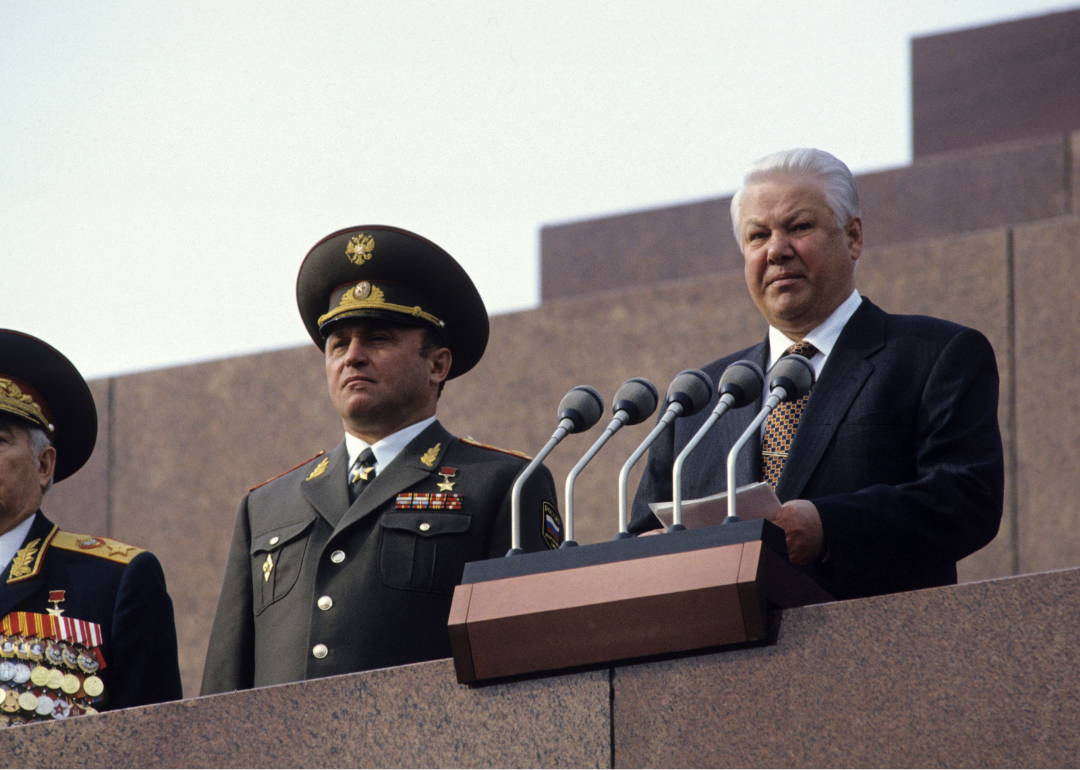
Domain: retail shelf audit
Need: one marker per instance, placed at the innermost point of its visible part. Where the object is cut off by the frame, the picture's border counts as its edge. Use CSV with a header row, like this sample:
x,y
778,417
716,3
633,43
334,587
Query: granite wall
x,y
979,675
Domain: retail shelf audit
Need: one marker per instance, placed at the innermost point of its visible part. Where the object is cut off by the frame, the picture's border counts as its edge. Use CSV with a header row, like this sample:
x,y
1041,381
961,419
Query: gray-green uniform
x,y
316,586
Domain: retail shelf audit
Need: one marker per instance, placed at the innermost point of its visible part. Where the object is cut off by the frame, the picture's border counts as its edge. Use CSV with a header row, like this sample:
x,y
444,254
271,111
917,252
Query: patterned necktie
x,y
781,424
361,474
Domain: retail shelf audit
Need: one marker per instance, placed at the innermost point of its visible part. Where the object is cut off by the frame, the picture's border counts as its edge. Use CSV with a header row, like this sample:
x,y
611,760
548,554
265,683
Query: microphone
x,y
635,401
792,378
689,393
579,410
740,385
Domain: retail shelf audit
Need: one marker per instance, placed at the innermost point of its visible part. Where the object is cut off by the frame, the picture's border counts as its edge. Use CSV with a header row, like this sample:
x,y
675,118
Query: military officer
x,y
349,561
85,622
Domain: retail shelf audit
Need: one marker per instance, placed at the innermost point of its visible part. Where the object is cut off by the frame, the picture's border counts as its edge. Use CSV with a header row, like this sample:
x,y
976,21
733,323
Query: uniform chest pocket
x,y
422,551
276,558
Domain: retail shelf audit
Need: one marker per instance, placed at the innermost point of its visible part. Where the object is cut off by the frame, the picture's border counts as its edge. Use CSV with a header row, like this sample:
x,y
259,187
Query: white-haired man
x,y
891,470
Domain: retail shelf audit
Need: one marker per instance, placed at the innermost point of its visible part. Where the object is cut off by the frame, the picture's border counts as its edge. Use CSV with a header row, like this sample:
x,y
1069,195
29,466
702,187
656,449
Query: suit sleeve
x,y
230,658
145,666
538,499
953,506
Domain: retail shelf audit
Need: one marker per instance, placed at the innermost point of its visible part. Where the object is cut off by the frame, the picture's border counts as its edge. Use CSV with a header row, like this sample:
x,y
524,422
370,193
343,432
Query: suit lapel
x,y
735,423
844,375
328,492
12,594
417,461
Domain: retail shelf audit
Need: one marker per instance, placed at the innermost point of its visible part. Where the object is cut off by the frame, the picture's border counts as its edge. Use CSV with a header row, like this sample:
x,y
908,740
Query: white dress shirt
x,y
385,449
823,338
12,539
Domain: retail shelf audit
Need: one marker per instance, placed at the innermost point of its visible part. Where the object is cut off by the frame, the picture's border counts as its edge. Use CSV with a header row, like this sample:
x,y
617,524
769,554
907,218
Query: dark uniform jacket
x,y
371,582
898,448
118,586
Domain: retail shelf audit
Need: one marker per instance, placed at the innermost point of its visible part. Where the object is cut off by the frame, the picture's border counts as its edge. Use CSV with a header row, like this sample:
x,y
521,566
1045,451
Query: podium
x,y
622,600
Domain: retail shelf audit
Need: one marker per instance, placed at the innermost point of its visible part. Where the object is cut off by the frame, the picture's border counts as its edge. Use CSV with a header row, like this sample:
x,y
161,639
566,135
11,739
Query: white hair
x,y
39,441
837,182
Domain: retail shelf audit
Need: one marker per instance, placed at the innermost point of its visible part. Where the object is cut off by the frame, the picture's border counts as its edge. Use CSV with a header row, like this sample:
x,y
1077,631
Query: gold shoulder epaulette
x,y
474,442
285,473
104,547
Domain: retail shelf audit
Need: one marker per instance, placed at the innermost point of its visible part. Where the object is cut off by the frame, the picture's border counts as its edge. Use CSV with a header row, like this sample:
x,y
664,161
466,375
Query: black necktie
x,y
780,426
361,474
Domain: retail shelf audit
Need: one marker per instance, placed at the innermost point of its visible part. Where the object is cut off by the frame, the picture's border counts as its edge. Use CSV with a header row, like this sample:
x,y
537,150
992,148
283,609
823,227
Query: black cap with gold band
x,y
39,386
376,271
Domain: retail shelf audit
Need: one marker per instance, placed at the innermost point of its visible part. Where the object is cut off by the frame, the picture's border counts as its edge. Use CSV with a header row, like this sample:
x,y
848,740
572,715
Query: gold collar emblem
x,y
360,248
320,469
21,565
428,458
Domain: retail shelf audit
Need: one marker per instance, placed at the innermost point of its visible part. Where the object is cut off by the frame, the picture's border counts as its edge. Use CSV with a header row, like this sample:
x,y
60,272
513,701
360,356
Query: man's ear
x,y
46,465
853,232
440,360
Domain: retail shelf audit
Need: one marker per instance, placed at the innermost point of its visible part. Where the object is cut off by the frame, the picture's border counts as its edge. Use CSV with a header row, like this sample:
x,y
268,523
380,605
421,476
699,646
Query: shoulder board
x,y
102,547
474,442
286,473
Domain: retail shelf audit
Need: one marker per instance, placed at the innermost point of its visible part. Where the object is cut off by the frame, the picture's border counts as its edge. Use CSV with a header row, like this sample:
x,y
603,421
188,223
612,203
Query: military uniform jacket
x,y
315,586
119,587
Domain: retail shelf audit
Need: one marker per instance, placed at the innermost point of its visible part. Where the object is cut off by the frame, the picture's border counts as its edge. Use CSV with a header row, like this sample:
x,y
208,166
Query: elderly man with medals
x,y
86,623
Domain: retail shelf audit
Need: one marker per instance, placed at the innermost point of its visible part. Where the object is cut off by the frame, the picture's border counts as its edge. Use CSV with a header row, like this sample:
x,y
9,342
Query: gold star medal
x,y
446,485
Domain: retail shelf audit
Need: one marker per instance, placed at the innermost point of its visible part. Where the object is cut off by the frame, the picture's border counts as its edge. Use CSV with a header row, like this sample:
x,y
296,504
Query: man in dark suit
x,y
349,561
895,469
86,621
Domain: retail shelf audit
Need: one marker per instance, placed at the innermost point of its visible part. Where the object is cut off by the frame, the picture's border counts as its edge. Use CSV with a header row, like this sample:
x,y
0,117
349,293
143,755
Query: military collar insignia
x,y
429,457
319,469
29,559
360,249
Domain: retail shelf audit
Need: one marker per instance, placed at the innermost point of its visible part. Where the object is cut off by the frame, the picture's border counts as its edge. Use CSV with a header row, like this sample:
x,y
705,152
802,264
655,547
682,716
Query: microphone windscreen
x,y
638,398
583,406
691,388
744,381
794,374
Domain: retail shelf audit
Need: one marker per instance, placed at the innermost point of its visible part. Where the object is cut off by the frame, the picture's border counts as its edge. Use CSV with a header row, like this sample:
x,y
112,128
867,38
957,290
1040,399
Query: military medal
x,y
93,686
88,663
7,647
7,671
70,684
11,702
56,679
39,675
28,701
361,473
55,597
45,706
71,658
22,673
446,485
267,568
53,653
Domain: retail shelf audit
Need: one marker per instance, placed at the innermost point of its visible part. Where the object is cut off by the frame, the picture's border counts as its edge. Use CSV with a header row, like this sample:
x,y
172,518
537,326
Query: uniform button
x,y
274,540
337,557
325,602
319,651
425,527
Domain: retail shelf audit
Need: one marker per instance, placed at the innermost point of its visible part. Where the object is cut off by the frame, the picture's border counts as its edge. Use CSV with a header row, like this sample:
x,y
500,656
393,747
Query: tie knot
x,y
365,459
804,349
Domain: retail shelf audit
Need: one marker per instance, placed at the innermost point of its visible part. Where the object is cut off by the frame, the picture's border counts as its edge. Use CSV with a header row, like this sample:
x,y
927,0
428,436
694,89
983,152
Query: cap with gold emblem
x,y
385,272
40,386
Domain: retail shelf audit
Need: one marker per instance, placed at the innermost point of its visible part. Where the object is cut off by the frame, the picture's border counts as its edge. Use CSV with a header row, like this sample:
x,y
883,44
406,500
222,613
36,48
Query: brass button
x,y
337,557
274,540
325,602
425,527
319,651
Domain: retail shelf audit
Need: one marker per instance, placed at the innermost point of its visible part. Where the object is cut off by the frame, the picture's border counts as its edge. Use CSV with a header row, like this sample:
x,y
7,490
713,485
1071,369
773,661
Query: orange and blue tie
x,y
781,425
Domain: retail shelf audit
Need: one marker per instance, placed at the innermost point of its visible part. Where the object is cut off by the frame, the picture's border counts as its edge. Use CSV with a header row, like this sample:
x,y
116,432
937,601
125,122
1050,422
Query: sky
x,y
165,166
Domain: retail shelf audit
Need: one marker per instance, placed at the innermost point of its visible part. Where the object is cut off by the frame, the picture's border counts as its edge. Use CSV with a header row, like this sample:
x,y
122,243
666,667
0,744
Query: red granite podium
x,y
623,600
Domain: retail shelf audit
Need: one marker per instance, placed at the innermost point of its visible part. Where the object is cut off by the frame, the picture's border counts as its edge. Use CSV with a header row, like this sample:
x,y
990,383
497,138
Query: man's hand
x,y
802,526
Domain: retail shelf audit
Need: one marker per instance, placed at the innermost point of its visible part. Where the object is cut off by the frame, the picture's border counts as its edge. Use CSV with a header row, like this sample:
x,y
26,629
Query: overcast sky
x,y
165,166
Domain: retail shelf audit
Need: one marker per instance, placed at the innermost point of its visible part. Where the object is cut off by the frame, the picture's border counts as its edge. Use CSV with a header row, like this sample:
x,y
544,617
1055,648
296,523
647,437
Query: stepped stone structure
x,y
982,228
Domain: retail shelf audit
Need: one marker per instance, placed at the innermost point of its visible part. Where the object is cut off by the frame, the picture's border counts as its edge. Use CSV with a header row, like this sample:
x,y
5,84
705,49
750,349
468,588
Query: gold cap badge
x,y
360,248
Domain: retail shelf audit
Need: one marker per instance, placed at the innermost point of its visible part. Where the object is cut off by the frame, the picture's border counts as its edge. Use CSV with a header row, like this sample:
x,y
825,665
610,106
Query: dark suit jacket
x,y
128,600
898,448
393,584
